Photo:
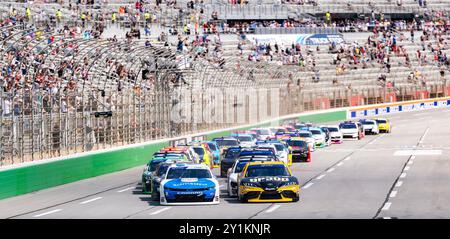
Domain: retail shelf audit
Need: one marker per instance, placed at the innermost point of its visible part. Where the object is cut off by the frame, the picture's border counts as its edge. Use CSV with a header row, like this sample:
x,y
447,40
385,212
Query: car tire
x,y
296,199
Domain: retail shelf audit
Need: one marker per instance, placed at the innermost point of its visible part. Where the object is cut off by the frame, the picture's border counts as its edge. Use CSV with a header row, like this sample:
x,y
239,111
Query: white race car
x,y
188,184
335,134
370,126
350,130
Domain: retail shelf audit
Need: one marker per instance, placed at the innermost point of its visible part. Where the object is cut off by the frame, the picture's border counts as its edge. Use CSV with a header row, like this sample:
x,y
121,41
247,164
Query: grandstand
x,y
88,80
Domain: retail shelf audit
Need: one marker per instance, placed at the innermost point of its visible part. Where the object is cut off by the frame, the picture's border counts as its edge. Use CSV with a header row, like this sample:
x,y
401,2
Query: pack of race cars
x,y
256,163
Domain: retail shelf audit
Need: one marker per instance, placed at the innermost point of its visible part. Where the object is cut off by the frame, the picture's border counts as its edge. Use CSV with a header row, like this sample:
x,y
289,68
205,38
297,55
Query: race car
x,y
226,142
319,137
299,150
238,165
308,137
281,151
384,125
214,147
267,182
335,134
263,133
204,154
189,184
370,126
245,140
228,158
350,129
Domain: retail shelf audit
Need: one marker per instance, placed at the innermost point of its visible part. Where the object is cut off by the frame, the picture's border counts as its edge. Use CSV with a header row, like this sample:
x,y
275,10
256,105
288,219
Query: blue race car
x,y
214,147
189,184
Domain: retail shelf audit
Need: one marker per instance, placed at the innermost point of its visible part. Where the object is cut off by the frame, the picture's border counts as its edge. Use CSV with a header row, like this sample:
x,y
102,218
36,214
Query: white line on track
x,y
160,211
46,213
402,175
321,176
348,158
330,170
410,162
340,163
413,156
393,194
307,185
399,184
125,189
424,135
272,208
91,200
406,168
386,206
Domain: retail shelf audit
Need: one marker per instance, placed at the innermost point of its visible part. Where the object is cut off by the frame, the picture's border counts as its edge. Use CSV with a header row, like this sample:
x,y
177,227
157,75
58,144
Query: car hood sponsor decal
x,y
269,178
199,183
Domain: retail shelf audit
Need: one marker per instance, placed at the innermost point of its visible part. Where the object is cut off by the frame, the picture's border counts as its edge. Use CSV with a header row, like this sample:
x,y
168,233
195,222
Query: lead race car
x,y
189,184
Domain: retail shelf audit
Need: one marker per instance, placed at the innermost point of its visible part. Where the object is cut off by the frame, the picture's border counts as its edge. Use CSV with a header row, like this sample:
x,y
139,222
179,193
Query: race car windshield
x,y
239,167
264,170
305,135
279,147
212,147
297,143
188,173
154,164
333,129
381,121
368,123
199,151
315,132
231,153
245,138
349,126
227,143
162,170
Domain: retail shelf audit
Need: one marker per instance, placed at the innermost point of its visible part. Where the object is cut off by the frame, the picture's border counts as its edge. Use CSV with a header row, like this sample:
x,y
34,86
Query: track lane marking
x,y
406,168
47,213
340,163
125,189
424,135
348,158
321,176
330,170
399,184
160,210
402,175
91,200
308,185
410,162
272,208
386,206
393,194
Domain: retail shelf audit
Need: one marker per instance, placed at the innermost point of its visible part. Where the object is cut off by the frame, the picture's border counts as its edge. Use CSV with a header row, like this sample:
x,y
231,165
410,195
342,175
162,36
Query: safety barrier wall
x,y
408,106
28,177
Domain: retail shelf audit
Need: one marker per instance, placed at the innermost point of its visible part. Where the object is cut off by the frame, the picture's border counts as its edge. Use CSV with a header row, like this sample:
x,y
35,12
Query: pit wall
x,y
29,177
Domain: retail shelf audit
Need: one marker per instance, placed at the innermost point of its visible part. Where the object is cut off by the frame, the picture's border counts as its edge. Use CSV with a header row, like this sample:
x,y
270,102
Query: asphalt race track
x,y
404,174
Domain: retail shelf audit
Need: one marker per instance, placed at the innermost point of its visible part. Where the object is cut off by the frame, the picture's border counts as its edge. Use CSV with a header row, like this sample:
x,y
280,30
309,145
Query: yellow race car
x,y
267,182
383,125
204,154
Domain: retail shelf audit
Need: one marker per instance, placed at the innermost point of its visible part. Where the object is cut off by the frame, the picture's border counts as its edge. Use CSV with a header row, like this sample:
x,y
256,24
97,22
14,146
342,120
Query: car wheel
x,y
296,199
